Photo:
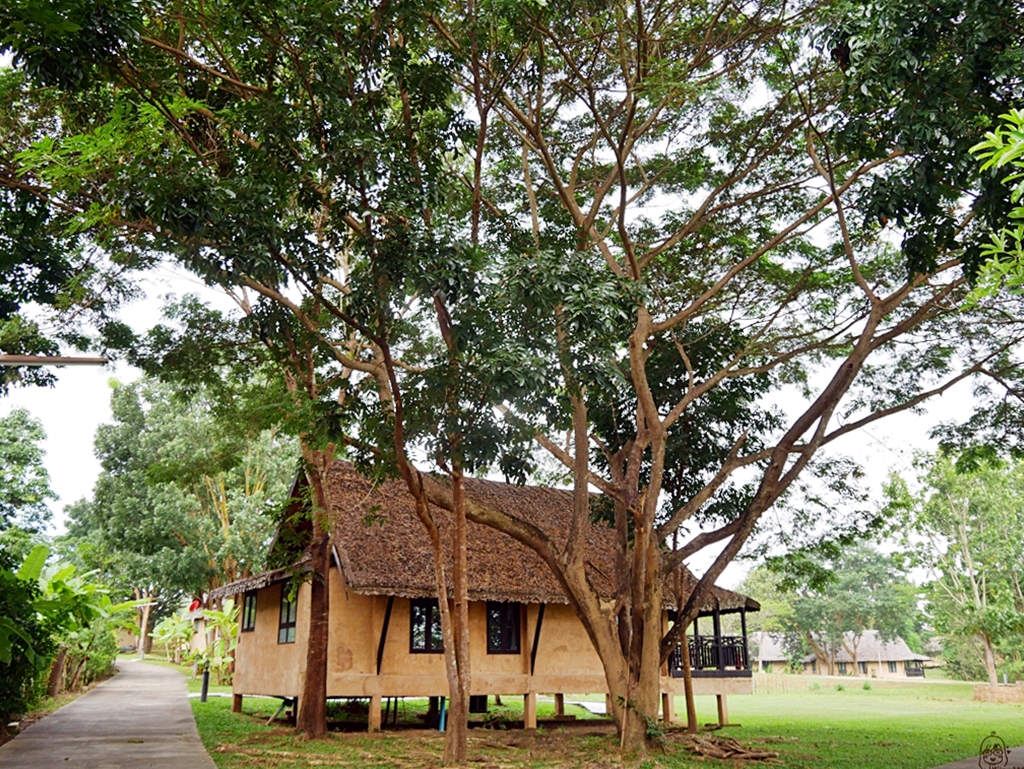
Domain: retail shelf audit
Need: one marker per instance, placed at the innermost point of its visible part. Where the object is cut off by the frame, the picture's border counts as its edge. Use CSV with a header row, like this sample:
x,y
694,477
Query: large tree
x,y
966,529
24,480
618,226
188,497
836,598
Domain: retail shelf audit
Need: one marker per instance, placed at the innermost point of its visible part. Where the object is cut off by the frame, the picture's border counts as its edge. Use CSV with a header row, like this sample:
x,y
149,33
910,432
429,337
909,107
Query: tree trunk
x,y
57,673
634,673
73,685
456,745
311,719
691,706
990,660
144,626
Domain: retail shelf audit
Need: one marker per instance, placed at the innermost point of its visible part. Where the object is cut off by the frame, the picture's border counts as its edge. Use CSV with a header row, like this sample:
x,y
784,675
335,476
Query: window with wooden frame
x,y
863,667
841,666
503,627
892,666
289,613
249,612
425,626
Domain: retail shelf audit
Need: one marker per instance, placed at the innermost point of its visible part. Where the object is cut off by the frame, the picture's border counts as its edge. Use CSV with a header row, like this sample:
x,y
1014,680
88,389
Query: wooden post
x,y
668,708
530,710
374,720
746,650
559,704
723,710
236,703
717,621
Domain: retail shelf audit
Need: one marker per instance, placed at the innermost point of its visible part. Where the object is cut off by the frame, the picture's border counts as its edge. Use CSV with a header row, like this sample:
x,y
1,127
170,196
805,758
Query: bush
x,y
23,677
91,653
840,687
867,686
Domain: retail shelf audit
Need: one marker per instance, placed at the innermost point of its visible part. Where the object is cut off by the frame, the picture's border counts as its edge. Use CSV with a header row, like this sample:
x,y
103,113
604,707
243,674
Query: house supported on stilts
x,y
385,628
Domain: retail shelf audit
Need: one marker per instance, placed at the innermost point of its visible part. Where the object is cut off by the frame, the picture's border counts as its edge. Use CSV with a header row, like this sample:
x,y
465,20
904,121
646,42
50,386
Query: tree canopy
x,y
966,529
188,497
24,480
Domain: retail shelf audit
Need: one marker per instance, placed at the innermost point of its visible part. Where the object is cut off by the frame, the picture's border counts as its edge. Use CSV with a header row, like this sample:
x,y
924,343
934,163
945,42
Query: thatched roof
x,y
262,580
870,648
384,549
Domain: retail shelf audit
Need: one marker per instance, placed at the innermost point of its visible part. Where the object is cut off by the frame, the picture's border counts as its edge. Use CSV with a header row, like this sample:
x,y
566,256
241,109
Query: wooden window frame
x,y
431,609
248,618
841,667
862,667
892,666
288,618
507,617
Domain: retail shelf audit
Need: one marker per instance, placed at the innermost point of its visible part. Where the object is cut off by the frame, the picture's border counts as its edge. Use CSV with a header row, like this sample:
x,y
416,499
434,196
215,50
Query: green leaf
x,y
32,567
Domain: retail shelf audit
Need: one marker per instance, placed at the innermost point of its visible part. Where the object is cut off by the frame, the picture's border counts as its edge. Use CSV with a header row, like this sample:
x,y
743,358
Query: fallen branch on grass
x,y
722,747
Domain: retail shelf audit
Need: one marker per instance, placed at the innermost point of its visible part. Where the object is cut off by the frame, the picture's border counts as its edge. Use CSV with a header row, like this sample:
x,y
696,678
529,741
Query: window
x,y
425,626
814,666
863,667
249,612
842,668
892,666
502,628
289,611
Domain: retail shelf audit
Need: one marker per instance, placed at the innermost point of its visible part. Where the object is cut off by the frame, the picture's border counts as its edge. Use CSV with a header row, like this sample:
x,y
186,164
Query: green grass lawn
x,y
893,724
911,725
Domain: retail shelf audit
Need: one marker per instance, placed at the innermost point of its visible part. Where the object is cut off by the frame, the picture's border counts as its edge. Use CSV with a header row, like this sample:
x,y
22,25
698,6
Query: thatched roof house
x,y
875,656
385,638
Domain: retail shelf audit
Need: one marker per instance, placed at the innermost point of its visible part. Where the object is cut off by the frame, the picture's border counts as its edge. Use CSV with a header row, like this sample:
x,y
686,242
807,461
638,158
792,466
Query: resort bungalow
x,y
385,631
875,658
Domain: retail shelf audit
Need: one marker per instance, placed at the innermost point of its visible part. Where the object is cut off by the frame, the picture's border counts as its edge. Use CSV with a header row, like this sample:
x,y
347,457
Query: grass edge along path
x,y
892,724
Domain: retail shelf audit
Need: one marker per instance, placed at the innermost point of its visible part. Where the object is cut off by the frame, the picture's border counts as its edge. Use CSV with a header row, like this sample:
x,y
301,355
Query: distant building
x,y
875,657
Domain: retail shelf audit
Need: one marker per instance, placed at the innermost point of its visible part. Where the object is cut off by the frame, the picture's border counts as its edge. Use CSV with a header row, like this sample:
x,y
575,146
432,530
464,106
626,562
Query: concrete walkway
x,y
139,719
1012,759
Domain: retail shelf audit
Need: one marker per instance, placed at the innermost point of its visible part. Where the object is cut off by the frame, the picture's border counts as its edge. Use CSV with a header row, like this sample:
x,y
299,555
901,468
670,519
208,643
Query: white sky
x,y
80,402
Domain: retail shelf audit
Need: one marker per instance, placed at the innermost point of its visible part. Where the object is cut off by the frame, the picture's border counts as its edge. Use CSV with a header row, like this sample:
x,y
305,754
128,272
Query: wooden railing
x,y
713,655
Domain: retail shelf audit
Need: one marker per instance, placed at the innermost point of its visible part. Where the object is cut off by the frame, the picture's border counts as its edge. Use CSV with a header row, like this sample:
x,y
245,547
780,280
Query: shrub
x,y
26,645
840,687
91,653
867,686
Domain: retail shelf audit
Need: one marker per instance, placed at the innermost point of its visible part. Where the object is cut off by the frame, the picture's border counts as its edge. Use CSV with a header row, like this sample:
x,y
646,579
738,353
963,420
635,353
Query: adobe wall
x,y
874,670
262,665
565,661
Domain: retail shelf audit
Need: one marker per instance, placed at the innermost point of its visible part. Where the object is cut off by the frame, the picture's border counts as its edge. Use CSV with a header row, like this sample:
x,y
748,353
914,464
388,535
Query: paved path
x,y
1014,760
139,719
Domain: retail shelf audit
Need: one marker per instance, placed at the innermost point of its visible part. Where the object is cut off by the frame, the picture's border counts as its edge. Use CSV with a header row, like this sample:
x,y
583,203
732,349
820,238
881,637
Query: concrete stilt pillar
x,y
236,703
374,719
559,704
668,708
530,710
723,710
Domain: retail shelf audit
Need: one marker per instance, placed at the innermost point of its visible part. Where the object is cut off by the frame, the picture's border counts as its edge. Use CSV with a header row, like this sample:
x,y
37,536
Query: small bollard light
x,y
206,682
